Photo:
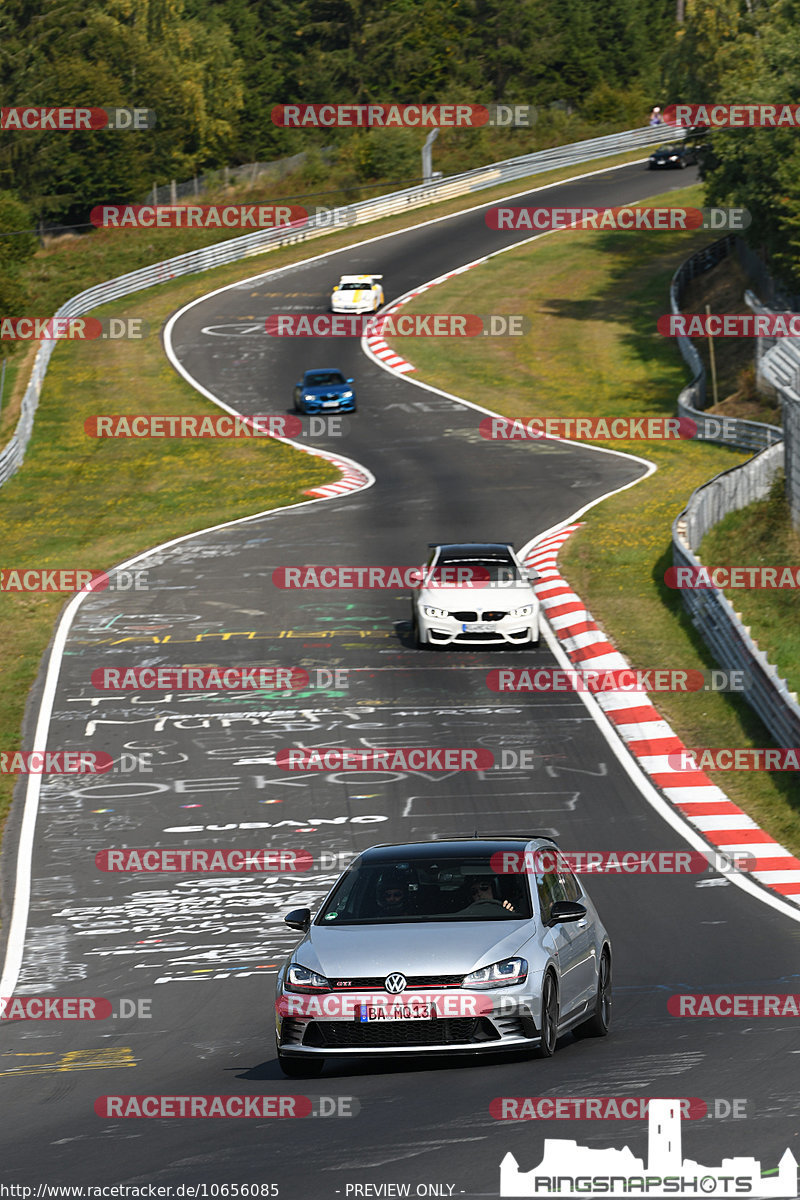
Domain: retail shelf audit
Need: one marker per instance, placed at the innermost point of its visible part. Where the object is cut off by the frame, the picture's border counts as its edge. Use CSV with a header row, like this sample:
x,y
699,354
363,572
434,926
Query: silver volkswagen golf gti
x,y
461,946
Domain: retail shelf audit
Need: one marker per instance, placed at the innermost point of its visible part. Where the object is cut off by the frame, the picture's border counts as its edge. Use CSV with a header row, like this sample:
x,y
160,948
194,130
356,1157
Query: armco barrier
x,y
749,435
711,611
778,365
264,239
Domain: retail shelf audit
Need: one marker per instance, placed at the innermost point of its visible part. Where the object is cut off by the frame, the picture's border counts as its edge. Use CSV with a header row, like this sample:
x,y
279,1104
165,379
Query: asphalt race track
x,y
203,949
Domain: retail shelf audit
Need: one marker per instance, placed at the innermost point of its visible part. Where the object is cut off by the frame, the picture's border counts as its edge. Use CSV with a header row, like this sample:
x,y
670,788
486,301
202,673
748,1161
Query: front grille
x,y
479,637
493,616
464,616
377,982
387,1035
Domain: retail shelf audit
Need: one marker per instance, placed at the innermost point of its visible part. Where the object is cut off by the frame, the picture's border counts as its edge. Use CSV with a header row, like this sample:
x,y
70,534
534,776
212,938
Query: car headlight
x,y
674,157
346,396
300,979
434,612
522,612
502,974
309,396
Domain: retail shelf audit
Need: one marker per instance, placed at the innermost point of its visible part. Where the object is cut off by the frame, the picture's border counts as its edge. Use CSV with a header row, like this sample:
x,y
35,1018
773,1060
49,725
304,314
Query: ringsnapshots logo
x,y
567,1169
27,118
605,220
407,325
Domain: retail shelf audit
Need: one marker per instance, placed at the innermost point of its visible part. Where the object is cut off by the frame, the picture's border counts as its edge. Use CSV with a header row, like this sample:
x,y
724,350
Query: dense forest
x,y
212,70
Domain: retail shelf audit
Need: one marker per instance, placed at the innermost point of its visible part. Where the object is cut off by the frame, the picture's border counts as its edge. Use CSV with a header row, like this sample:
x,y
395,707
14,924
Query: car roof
x,y
320,370
355,279
451,848
470,549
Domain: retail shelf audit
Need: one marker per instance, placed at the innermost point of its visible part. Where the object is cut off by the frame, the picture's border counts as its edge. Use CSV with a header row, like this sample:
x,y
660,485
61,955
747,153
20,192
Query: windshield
x,y
323,378
430,889
354,287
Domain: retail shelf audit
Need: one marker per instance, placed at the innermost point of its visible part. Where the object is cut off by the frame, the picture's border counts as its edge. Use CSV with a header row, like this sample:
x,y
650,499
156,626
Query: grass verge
x,y
593,300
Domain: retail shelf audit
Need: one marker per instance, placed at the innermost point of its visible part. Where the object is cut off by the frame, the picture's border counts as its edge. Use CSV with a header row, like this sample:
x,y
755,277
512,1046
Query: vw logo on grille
x,y
395,983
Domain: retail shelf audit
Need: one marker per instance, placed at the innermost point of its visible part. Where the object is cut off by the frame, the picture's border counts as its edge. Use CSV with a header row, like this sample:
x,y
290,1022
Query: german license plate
x,y
395,1012
477,627
330,403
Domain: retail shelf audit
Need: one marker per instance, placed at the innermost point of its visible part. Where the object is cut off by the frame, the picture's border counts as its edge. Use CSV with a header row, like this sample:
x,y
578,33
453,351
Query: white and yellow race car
x,y
357,294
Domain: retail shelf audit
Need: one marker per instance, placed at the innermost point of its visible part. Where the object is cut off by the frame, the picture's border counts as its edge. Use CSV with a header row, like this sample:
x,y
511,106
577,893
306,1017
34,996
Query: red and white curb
x,y
649,738
381,349
352,480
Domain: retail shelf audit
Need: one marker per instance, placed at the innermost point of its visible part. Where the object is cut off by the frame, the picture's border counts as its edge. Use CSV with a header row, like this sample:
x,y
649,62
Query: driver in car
x,y
483,899
393,897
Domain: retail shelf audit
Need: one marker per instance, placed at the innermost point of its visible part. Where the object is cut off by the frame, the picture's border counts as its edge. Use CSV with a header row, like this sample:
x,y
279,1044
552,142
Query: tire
x,y
547,1047
300,1068
599,1023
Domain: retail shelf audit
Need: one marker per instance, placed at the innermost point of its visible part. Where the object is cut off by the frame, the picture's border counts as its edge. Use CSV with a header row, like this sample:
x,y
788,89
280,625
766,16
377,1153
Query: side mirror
x,y
299,918
348,380
415,576
299,383
532,574
563,911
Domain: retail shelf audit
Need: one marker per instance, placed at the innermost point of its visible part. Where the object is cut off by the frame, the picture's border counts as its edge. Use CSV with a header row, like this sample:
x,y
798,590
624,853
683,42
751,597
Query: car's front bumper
x,y
448,631
506,1027
328,406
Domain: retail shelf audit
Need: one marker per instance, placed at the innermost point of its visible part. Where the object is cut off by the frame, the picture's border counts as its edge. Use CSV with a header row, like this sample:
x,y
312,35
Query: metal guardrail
x,y
747,435
778,366
712,613
195,261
